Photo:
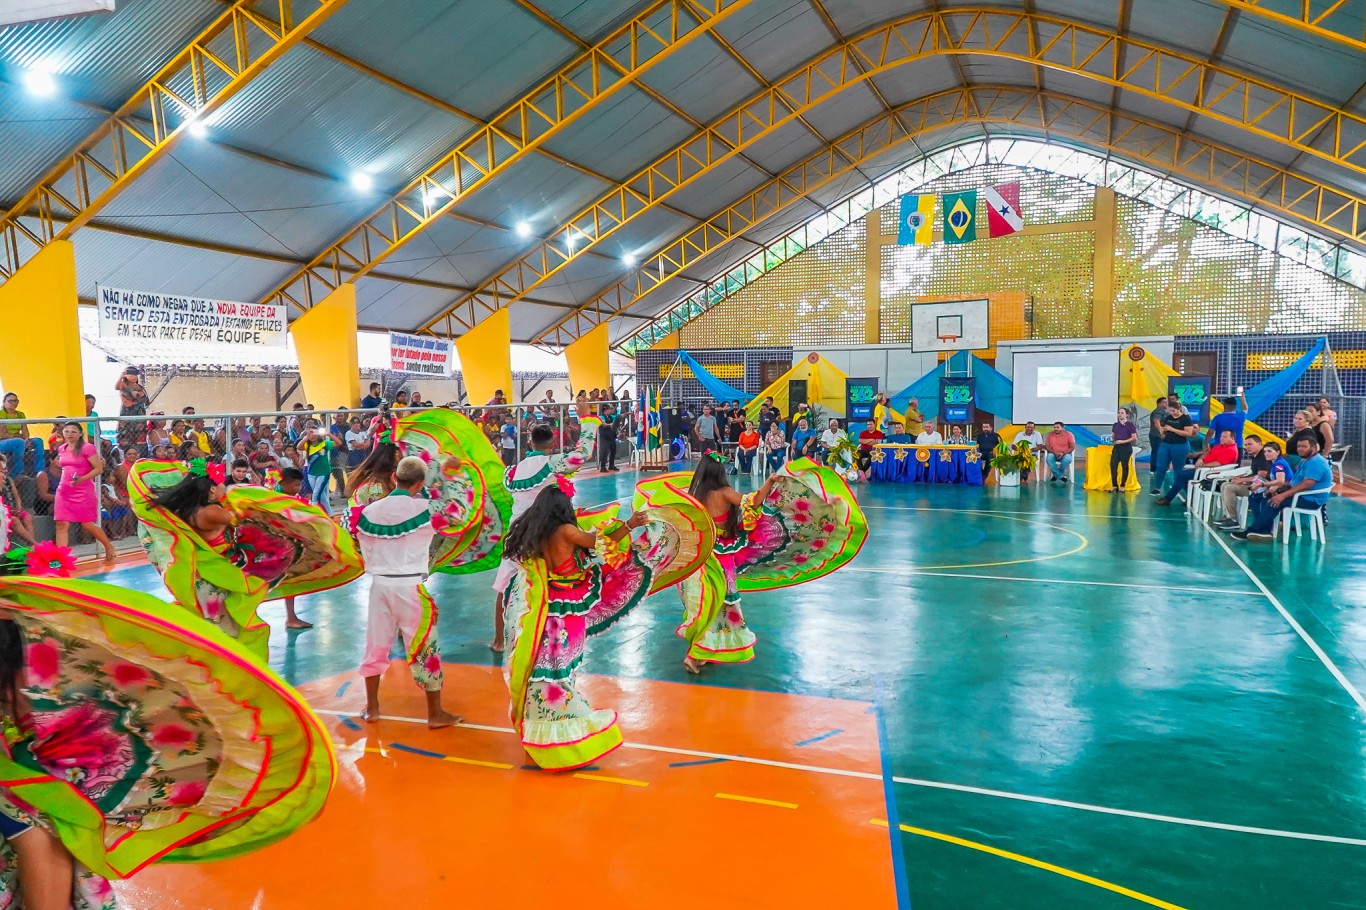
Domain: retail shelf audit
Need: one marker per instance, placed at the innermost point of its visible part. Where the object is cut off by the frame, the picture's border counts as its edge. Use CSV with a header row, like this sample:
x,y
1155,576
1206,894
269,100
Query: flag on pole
x,y
917,220
642,418
960,217
652,421
1003,209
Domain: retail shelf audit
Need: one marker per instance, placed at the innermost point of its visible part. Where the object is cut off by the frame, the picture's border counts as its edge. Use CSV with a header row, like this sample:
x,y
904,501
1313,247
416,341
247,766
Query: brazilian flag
x,y
960,217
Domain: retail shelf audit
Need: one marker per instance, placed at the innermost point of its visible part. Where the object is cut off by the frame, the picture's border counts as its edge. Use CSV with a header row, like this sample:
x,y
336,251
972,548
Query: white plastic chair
x,y
1199,501
1043,471
1337,457
1291,515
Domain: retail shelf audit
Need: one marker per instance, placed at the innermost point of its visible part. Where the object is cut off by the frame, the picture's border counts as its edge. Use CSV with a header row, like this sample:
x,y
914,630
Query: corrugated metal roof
x,y
774,36
718,188
591,20
702,79
539,190
401,306
528,320
34,135
854,16
784,147
456,252
105,58
854,106
624,133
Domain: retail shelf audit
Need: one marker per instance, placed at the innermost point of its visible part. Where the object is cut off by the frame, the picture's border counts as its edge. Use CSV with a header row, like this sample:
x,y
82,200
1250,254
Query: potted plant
x,y
843,458
1009,459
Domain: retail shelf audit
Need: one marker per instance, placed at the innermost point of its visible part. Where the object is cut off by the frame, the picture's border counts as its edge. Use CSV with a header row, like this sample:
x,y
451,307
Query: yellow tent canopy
x,y
1145,380
825,386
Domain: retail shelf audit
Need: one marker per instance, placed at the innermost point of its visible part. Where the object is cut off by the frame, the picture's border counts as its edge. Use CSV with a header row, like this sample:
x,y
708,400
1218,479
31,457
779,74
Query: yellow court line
x,y
477,763
613,780
754,799
1036,863
1014,562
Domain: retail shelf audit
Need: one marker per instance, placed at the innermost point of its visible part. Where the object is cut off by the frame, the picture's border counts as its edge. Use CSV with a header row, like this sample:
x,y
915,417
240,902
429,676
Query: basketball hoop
x,y
948,339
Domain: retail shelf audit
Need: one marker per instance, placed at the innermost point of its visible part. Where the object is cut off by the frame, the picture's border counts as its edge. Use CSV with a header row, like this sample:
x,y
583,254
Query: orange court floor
x,y
775,802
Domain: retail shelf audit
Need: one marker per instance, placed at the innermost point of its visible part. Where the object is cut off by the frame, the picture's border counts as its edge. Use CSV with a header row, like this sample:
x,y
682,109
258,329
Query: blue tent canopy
x,y
995,393
717,389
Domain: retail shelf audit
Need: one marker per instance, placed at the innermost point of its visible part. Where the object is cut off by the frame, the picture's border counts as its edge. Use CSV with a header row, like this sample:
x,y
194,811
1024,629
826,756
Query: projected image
x,y
1064,382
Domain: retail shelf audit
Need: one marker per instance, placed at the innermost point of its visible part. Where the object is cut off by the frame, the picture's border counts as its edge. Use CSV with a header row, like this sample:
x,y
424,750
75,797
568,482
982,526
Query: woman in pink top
x,y
78,494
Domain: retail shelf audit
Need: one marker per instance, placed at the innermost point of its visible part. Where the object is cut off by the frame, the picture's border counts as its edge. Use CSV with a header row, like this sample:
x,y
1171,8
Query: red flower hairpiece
x,y
565,484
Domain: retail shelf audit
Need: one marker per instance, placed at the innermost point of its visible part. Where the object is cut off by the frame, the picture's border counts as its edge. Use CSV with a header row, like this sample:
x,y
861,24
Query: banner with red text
x,y
149,316
424,355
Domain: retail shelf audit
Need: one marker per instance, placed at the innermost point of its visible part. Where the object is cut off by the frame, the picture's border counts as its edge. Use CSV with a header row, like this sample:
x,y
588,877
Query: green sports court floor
x,y
1081,701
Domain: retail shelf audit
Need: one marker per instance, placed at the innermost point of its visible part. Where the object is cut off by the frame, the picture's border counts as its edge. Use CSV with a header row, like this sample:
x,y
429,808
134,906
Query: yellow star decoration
x,y
973,456
900,454
945,455
879,455
922,455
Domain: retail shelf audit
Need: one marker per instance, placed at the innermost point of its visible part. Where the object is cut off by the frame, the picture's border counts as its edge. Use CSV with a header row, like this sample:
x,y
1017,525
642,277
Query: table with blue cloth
x,y
910,463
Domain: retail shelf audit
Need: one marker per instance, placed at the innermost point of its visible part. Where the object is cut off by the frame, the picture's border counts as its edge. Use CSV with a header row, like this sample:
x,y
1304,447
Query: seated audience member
x,y
1234,417
987,441
805,442
1059,447
832,437
1035,439
1260,458
1222,454
928,435
1322,428
1326,409
21,523
867,440
15,439
239,474
262,459
776,444
747,446
1299,429
1313,477
899,436
357,442
956,437
116,512
45,488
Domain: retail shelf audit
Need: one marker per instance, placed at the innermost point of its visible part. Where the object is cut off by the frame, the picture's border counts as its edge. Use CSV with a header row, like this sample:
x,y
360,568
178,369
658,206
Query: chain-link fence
x,y
32,469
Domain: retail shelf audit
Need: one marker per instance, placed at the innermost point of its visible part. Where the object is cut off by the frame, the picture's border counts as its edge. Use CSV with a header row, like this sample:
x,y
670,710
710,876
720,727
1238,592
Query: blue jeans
x,y
13,449
746,460
317,489
776,458
1058,464
1264,513
1180,477
1168,455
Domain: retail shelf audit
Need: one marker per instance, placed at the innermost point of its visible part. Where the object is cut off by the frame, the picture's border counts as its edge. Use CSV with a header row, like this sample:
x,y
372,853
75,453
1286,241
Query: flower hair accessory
x,y
49,560
715,456
565,484
212,470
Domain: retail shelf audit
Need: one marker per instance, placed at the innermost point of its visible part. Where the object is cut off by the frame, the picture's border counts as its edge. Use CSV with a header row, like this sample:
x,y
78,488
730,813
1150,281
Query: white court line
x,y
1020,513
1299,629
936,785
1046,581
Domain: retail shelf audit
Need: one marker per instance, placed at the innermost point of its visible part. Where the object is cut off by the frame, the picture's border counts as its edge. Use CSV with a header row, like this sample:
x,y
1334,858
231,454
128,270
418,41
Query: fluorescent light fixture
x,y
196,128
40,82
362,181
523,229
629,259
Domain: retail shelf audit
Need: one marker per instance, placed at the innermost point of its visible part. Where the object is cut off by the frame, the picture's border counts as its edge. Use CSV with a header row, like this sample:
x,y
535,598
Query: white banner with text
x,y
169,317
420,354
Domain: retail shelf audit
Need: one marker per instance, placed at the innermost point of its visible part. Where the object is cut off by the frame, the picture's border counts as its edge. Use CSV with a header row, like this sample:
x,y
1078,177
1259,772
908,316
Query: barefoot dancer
x,y
395,536
540,469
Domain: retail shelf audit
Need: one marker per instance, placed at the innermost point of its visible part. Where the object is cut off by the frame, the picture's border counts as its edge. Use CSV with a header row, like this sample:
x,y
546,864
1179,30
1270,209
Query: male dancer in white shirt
x,y
395,535
533,474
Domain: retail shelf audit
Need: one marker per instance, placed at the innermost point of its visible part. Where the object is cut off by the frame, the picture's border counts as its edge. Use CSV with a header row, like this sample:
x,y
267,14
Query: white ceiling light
x,y
629,259
362,181
431,197
196,128
523,229
40,82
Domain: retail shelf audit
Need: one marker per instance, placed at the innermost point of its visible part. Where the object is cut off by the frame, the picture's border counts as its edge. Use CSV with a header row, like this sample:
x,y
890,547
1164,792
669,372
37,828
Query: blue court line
x,y
350,724
341,690
415,751
903,889
816,739
705,761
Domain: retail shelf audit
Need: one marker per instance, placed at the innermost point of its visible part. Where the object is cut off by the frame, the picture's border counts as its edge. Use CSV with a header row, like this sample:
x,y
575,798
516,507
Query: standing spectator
x,y
987,441
1030,435
882,412
1155,436
1326,409
14,438
1222,454
915,418
1322,428
1123,435
1177,430
133,400
401,399
357,443
316,449
1059,446
92,428
1313,477
78,496
21,522
707,431
767,415
736,423
372,401
508,443
747,446
776,444
1234,417
804,440
928,435
607,442
803,412
867,441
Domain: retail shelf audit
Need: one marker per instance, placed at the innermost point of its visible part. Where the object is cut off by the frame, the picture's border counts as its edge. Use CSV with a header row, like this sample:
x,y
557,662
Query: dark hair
x,y
77,425
241,463
1228,401
377,467
185,498
531,530
709,477
1252,438
541,434
292,474
11,665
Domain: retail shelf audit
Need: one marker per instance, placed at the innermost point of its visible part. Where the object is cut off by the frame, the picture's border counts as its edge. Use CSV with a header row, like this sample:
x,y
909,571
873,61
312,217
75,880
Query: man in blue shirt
x,y
372,401
804,441
1313,477
1233,418
899,434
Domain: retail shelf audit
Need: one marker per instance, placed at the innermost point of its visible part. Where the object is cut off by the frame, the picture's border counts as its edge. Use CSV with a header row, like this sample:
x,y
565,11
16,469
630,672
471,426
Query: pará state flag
x,y
960,217
917,220
1003,209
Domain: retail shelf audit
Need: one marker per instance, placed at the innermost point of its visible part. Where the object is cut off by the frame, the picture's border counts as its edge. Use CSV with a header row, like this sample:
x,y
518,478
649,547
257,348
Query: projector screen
x,y
1079,387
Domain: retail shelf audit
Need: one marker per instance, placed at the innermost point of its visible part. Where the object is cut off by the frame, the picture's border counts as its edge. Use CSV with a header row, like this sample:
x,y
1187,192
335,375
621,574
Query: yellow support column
x,y
872,284
486,358
325,340
588,362
1103,280
40,348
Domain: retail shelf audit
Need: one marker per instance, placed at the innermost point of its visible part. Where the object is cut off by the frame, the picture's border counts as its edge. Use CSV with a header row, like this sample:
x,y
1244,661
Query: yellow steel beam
x,y
578,87
219,63
1199,86
1342,21
1155,145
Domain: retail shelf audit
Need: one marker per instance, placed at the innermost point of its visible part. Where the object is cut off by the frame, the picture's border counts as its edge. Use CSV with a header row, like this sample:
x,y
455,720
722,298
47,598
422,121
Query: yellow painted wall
x,y
325,341
40,346
587,359
486,357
